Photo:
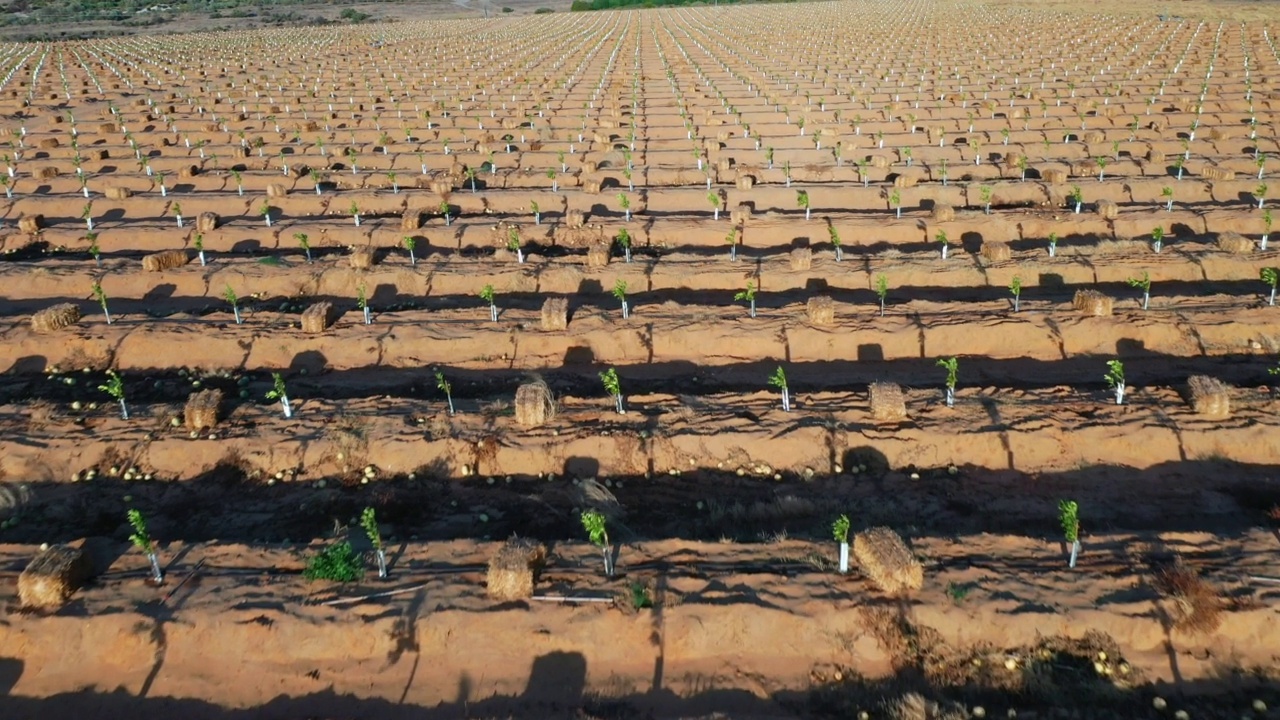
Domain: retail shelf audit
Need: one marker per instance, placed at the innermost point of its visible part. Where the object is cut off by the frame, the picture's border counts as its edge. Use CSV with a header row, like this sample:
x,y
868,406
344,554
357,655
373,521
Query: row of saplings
x,y
49,581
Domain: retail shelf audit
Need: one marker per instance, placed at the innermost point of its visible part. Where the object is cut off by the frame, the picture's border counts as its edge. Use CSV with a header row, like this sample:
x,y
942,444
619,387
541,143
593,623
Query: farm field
x,y
721,275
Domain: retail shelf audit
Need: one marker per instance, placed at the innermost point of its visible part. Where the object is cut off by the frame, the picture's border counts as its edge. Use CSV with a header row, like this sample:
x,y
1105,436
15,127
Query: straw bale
x,y
887,561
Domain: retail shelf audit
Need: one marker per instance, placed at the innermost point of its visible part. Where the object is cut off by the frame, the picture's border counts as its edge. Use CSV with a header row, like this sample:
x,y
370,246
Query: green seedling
x,y
624,242
1077,197
114,387
369,523
1102,167
802,199
895,202
1167,193
87,216
1069,518
198,243
141,539
537,214
513,243
338,563
355,212
779,380
278,392
882,291
230,295
410,243
362,302
1260,193
952,366
94,250
551,175
1177,165
840,528
835,242
984,195
1144,284
1270,275
614,388
594,523
620,292
177,213
716,201
732,239
235,174
941,237
1157,238
443,209
305,243
1053,244
1115,379
487,294
445,387
749,296
101,296
1015,289
1266,228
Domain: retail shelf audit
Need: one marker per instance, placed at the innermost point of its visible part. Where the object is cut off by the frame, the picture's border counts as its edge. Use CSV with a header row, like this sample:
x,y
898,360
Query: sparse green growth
x,y
101,296
882,291
779,380
1069,519
1015,289
840,528
487,294
411,243
749,295
1115,379
952,366
1269,276
337,562
1144,284
445,387
278,392
614,388
304,243
620,292
1157,238
230,295
114,387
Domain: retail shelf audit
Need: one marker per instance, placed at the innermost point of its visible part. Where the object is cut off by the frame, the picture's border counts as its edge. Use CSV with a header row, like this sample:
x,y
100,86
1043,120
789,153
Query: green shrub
x,y
543,11
338,563
508,10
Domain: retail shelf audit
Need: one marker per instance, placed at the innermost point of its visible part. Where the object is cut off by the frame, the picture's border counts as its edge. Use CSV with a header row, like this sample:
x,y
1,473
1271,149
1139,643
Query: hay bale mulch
x,y
513,569
887,402
201,410
1209,396
52,577
165,260
1092,303
316,318
55,317
534,404
886,561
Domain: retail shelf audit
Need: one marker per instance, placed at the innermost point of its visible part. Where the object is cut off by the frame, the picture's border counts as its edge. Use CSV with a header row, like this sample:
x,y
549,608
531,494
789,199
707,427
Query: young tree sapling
x,y
882,291
1077,197
537,214
410,243
1269,276
749,295
952,366
779,380
802,199
445,387
198,243
624,241
513,243
1015,288
1144,284
362,302
114,387
620,292
835,242
941,237
305,243
984,193
232,298
141,539
177,213
94,250
594,523
614,388
1069,517
278,392
355,212
1157,238
101,296
1266,228
1115,379
487,294
732,239
840,528
369,522
1053,244
1167,193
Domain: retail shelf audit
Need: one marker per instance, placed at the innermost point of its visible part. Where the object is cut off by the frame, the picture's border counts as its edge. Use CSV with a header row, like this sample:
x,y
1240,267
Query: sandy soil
x,y
690,129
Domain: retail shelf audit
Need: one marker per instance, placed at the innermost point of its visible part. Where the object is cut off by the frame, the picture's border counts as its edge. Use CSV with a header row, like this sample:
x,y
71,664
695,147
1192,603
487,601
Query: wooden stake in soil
x,y
512,569
887,403
887,561
55,318
52,577
1209,396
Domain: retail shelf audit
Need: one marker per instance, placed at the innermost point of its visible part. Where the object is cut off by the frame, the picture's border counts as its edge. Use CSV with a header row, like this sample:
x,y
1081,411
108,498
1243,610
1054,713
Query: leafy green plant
x,y
941,237
101,296
624,202
1259,192
1069,518
716,202
443,209
779,380
1167,193
355,212
957,592
802,199
1077,197
305,243
369,523
230,295
1144,284
1266,229
141,540
835,242
177,213
410,244
748,295
640,599
732,239
952,366
1157,238
1015,289
96,251
362,302
895,202
594,523
620,292
265,212
487,294
882,291
1270,275
840,528
624,242
445,387
984,195
614,388
198,243
278,392
513,243
1115,379
337,562
537,214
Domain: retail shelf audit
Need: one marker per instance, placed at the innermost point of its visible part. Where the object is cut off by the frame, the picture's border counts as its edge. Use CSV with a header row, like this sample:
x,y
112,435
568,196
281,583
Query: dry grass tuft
x,y
316,318
1108,209
1197,605
887,561
993,251
534,404
821,310
51,578
1209,396
513,569
1235,243
1092,302
555,314
943,213
55,318
887,402
361,258
201,411
914,706
801,258
598,254
165,260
